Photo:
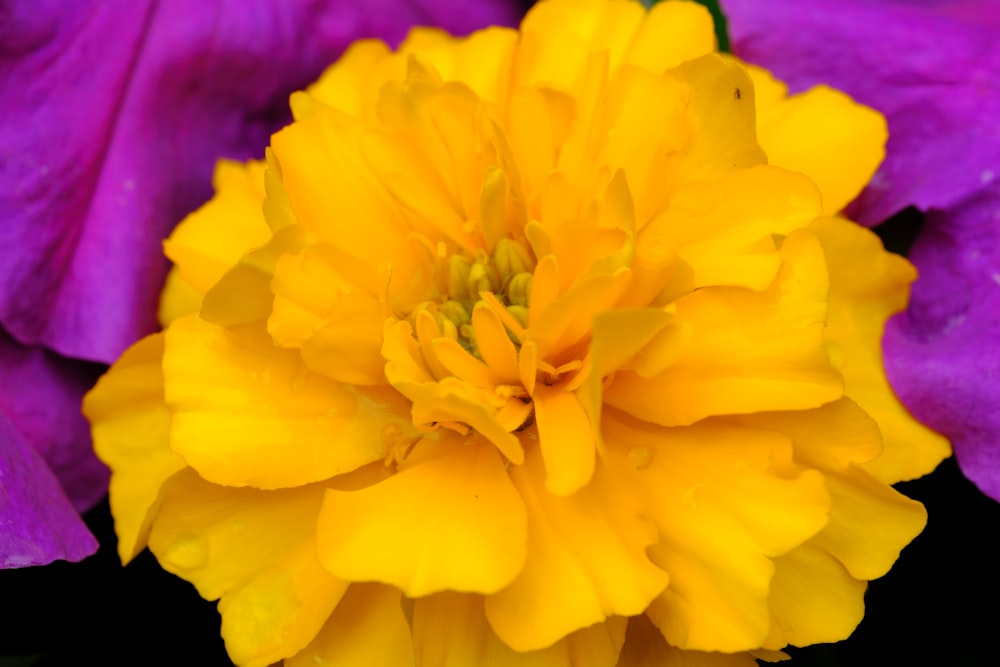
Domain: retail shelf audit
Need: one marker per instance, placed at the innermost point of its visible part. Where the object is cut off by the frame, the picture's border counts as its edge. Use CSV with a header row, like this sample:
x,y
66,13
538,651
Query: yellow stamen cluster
x,y
503,278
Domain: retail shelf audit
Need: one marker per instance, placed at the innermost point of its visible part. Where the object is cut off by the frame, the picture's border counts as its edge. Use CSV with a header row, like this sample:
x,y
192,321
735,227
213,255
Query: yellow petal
x,y
590,243
428,160
724,230
457,519
813,599
587,558
453,401
557,38
672,33
723,137
216,537
568,319
645,646
482,62
623,139
246,413
621,336
179,297
566,439
405,361
867,285
823,134
320,307
306,287
243,294
347,347
832,437
210,240
536,130
256,550
450,630
748,352
348,85
331,187
130,426
367,628
870,523
725,500
460,363
494,344
278,612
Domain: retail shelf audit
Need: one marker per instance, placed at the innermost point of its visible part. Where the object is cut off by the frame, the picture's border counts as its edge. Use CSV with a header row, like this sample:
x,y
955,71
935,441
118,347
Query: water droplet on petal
x,y
640,457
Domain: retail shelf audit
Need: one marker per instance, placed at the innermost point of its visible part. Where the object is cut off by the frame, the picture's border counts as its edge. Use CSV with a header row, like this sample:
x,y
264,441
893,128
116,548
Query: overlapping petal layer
x,y
939,93
112,116
530,382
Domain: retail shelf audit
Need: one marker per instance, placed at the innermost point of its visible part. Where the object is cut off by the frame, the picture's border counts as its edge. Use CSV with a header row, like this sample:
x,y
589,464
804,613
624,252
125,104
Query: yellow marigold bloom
x,y
519,350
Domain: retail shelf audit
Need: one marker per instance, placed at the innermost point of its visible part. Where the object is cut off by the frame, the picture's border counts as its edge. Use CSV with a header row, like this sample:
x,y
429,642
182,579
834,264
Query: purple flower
x,y
932,67
112,115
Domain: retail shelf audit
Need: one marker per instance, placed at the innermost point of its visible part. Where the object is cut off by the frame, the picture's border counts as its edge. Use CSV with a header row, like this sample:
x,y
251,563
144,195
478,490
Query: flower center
x,y
464,279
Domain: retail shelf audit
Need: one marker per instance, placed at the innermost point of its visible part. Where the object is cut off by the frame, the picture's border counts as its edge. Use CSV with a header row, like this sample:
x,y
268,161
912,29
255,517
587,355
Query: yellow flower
x,y
518,350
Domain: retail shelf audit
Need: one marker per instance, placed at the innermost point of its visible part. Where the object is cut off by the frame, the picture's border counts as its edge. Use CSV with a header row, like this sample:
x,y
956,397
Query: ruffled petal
x,y
587,557
451,630
466,533
870,523
868,285
213,238
368,627
338,328
256,551
818,589
942,158
841,158
813,599
353,83
672,33
749,351
725,500
246,413
724,230
645,646
566,439
131,429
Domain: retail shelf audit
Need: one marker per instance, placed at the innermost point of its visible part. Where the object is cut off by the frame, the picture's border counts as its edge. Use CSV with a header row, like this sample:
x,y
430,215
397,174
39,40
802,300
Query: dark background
x,y
927,611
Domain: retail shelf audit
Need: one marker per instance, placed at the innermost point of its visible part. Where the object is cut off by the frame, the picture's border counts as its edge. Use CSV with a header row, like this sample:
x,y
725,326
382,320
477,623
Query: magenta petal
x,y
40,393
943,354
37,523
111,118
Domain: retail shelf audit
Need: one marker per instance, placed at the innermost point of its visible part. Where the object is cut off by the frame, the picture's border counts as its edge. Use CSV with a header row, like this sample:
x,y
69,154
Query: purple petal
x,y
37,524
40,393
943,354
112,115
931,66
